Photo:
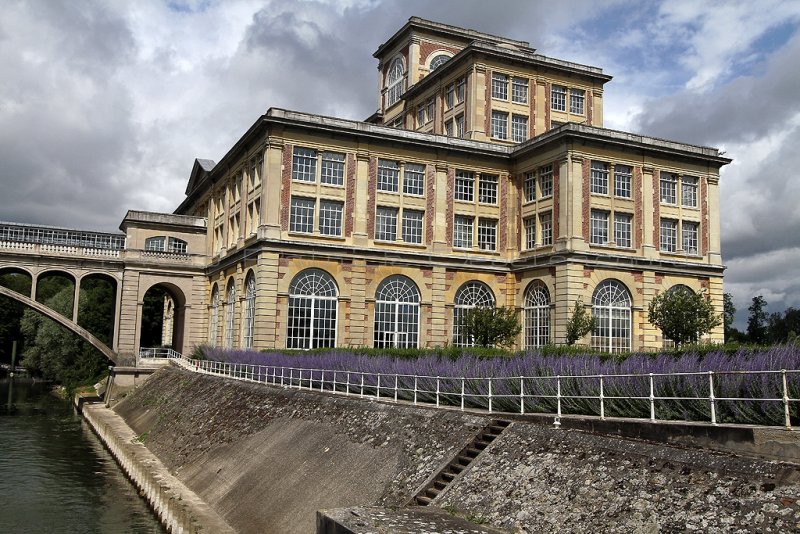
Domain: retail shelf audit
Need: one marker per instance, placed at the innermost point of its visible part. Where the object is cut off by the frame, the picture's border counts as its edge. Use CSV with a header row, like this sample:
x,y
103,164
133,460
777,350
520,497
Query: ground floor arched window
x,y
470,295
230,314
249,311
611,308
668,343
213,321
537,315
313,306
396,313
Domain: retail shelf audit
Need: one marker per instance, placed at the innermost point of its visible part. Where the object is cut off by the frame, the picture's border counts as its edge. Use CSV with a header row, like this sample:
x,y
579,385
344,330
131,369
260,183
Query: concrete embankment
x,y
266,459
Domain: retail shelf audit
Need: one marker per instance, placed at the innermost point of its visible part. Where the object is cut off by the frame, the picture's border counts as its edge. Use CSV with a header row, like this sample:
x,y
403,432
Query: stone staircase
x,y
459,463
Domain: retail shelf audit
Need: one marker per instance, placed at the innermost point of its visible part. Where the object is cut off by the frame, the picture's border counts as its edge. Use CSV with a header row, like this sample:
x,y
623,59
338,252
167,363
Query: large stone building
x,y
485,176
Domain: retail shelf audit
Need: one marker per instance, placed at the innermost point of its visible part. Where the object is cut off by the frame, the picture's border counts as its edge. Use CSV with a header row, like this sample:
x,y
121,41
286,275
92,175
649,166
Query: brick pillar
x,y
265,333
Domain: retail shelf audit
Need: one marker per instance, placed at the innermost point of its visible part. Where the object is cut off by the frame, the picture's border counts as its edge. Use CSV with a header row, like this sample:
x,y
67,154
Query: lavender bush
x,y
625,396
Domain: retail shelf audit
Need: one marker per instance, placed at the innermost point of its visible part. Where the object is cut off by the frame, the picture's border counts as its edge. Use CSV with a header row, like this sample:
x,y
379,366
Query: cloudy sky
x,y
105,104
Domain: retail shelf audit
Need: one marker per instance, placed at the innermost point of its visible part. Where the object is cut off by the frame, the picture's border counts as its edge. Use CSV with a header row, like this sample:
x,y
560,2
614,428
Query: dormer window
x,y
394,82
438,61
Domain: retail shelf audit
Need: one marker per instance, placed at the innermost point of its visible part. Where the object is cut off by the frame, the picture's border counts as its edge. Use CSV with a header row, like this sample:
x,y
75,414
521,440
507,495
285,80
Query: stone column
x,y
265,325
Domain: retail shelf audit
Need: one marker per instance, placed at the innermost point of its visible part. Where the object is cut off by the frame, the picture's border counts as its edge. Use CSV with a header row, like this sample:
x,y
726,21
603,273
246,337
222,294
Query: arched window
x,y
438,61
396,313
611,308
230,313
668,343
213,323
313,305
537,315
395,81
249,311
155,244
470,295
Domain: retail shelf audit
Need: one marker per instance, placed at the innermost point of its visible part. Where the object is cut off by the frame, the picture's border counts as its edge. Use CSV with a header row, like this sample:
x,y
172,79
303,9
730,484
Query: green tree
x,y
683,315
11,312
757,321
728,315
580,324
489,326
781,326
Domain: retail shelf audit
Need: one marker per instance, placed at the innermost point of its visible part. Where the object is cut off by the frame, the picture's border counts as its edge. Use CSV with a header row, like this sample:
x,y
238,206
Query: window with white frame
x,y
622,229
388,175
213,323
529,186
519,90
412,226
438,61
430,110
332,168
413,179
462,231
230,314
386,224
461,87
487,234
465,186
530,233
330,217
450,96
420,116
470,295
689,192
487,188
669,235
395,79
304,164
576,98
599,227
599,178
558,98
499,125
611,309
301,216
176,246
546,181
690,232
155,244
313,307
519,128
668,187
448,128
499,86
460,126
623,177
396,314
546,226
249,311
537,315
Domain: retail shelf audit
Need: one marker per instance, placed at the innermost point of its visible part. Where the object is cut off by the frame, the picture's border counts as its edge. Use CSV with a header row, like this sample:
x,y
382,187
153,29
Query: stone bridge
x,y
154,250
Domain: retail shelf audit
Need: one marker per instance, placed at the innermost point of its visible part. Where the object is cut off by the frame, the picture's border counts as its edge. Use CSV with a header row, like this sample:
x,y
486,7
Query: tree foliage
x,y
728,315
11,311
489,326
683,316
784,327
757,321
580,323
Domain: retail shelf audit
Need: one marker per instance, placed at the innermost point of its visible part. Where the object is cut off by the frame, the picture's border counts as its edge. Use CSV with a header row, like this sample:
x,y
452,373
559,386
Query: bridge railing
x,y
159,352
555,395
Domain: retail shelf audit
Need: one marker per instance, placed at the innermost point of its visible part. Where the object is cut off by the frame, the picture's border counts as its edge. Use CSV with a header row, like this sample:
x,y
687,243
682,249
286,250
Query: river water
x,y
55,475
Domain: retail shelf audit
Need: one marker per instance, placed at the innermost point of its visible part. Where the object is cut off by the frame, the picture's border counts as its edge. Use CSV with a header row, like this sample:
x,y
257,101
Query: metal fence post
x,y
521,395
786,400
711,397
378,392
490,395
395,388
602,400
652,400
415,389
462,392
347,386
362,386
437,391
322,380
558,396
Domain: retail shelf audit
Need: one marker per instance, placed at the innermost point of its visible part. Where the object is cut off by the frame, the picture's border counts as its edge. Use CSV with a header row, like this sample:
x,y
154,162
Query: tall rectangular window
x,y
386,224
622,229
460,126
449,97
499,125
576,97
499,86
599,227
413,179
599,178
546,181
420,116
558,98
430,107
388,175
622,181
690,231
546,226
669,235
519,90
519,128
304,164
448,128
529,185
465,186
461,87
330,217
530,233
487,189
668,185
301,215
462,231
689,192
412,226
332,168
487,234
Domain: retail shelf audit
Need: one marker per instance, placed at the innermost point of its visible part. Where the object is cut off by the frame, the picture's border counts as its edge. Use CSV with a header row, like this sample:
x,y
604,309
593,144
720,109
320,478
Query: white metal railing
x,y
159,352
522,394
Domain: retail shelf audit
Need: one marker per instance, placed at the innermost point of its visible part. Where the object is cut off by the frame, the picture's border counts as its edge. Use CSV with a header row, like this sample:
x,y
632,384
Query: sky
x,y
105,104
